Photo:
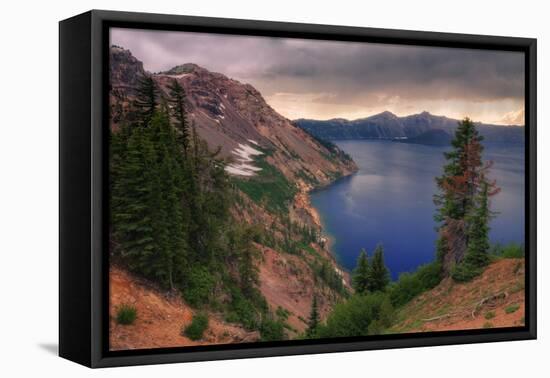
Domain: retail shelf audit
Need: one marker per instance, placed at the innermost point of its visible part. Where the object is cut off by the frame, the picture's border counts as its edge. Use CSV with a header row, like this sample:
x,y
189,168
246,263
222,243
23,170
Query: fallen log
x,y
482,302
448,315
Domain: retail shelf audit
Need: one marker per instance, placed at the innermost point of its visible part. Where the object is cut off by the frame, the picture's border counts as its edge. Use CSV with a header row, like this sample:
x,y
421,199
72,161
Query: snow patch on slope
x,y
243,166
178,76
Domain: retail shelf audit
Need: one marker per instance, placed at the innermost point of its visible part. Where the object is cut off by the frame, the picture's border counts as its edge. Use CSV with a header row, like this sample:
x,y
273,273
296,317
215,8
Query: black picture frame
x,y
83,112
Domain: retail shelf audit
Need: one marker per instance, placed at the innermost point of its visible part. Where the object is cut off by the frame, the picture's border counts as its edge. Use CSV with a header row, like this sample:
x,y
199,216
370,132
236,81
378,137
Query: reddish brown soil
x,y
287,281
481,303
160,318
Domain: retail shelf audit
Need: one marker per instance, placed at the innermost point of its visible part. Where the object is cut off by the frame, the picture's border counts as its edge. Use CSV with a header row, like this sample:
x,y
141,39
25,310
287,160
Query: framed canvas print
x,y
234,188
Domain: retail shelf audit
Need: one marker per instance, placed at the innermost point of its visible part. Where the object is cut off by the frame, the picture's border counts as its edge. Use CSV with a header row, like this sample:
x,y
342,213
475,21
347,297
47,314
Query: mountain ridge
x,y
393,115
387,125
233,116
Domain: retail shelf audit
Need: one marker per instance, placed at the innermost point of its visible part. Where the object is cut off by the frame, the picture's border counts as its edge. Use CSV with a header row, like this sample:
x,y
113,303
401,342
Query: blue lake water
x,y
389,201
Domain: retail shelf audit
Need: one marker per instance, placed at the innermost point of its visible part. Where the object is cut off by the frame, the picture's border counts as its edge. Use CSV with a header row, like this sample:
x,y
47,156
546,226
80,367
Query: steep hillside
x,y
494,299
259,144
389,126
272,166
287,282
161,317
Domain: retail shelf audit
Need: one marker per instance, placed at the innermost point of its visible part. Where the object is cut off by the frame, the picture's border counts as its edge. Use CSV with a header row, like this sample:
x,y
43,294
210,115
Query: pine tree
x,y
168,221
170,211
208,198
131,199
361,273
313,321
477,253
146,100
459,186
461,173
379,273
242,251
178,111
148,217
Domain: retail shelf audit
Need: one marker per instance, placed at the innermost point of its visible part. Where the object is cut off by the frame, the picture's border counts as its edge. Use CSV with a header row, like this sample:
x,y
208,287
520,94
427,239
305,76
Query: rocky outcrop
x,y
124,70
230,114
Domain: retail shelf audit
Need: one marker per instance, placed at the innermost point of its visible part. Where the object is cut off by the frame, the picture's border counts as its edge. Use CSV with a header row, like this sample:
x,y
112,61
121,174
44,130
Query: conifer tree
x,y
361,274
379,276
459,186
169,211
178,111
461,173
169,218
313,321
243,252
477,253
146,100
148,217
208,198
131,199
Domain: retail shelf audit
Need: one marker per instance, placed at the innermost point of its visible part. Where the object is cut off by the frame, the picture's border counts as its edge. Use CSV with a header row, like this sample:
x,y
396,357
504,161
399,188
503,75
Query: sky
x,y
332,79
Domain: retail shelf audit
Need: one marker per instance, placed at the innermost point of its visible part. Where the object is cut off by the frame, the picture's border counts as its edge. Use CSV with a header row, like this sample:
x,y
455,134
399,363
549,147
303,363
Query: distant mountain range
x,y
423,128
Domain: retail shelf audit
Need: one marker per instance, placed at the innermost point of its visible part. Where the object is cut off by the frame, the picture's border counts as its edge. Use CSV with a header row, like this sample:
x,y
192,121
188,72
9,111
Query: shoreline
x,y
328,245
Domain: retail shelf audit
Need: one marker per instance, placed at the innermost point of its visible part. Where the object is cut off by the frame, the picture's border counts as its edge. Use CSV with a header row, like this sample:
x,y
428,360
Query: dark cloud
x,y
339,72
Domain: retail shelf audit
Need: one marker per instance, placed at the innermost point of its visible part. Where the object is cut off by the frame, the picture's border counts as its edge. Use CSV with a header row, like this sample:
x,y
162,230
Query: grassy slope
x,y
268,186
494,299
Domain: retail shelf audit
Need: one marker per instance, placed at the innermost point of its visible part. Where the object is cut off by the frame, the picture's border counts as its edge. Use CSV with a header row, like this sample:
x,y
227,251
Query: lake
x,y
389,201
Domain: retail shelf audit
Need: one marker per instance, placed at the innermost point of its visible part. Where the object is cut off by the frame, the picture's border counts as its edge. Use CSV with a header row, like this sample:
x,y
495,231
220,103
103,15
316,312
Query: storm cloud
x,y
325,79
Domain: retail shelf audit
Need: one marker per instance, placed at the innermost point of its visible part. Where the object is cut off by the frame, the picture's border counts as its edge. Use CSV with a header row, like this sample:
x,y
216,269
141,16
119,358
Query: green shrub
x,y
512,308
355,316
489,315
126,314
410,285
243,311
517,287
375,328
199,285
272,330
282,313
509,251
385,318
198,325
430,275
487,325
325,272
386,315
465,272
246,310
